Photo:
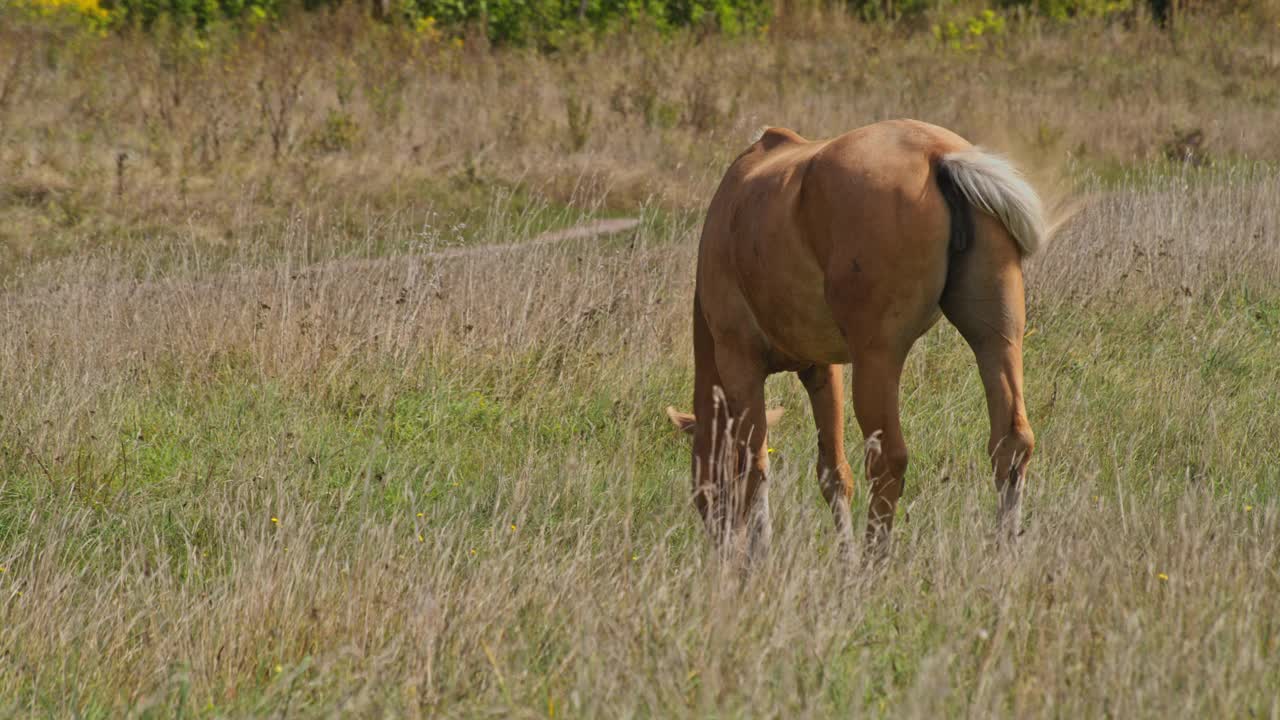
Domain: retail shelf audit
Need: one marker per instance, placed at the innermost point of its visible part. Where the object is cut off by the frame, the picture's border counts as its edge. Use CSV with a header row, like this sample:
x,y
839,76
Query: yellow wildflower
x,y
427,29
89,10
1163,577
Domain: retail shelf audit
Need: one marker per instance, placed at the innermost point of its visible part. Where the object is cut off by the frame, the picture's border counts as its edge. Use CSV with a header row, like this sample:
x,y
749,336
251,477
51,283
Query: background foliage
x,y
549,22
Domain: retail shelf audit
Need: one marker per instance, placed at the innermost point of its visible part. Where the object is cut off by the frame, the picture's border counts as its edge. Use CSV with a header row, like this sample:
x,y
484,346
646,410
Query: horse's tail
x,y
982,179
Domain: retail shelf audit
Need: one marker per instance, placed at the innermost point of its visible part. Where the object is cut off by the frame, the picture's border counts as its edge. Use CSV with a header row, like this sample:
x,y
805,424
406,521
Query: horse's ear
x,y
684,422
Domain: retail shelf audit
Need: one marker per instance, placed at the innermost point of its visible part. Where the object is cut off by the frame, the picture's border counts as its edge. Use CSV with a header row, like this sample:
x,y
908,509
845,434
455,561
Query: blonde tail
x,y
991,183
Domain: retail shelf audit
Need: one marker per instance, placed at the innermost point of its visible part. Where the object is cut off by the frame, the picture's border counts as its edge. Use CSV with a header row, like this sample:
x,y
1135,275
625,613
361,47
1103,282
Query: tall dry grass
x,y
440,484
113,141
273,446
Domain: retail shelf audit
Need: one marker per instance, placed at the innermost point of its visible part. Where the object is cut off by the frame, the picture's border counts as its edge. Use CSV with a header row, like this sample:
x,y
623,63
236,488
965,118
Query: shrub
x,y
966,34
507,22
87,11
522,22
338,133
1060,10
1067,9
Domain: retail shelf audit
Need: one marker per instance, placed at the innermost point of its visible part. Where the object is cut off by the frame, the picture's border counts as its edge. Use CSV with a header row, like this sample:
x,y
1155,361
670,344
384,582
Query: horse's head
x,y
687,423
712,494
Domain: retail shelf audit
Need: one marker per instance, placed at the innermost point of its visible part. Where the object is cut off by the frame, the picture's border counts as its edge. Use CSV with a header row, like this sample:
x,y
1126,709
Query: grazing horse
x,y
817,254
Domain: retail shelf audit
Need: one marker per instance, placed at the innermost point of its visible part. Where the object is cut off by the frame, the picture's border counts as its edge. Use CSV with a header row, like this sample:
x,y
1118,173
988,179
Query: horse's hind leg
x,y
824,383
882,319
877,374
984,299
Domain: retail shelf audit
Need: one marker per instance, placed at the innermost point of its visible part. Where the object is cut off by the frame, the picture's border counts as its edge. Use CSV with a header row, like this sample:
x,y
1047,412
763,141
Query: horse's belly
x,y
804,335
786,292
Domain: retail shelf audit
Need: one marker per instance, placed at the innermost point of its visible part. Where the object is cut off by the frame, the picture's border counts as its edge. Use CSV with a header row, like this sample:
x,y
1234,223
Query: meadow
x,y
308,408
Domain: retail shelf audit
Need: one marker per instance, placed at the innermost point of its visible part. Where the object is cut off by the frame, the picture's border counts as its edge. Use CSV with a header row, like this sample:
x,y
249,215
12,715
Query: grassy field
x,y
342,432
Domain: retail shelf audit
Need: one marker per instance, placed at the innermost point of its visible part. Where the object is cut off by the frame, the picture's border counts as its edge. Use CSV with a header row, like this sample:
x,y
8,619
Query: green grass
x,y
552,469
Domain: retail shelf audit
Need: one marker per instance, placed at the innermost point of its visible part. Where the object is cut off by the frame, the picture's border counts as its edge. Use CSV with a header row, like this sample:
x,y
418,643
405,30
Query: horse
x,y
817,254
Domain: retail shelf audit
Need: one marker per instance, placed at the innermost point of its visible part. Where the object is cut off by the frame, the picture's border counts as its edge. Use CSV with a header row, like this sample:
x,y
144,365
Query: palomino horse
x,y
817,254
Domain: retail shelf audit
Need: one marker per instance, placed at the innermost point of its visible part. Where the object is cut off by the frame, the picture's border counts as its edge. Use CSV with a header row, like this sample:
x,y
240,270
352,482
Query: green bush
x,y
522,22
508,22
547,22
969,32
1055,9
199,13
1067,9
873,10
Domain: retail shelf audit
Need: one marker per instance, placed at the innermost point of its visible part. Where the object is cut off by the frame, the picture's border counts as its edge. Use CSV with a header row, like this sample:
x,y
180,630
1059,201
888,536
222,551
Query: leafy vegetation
x,y
550,23
517,22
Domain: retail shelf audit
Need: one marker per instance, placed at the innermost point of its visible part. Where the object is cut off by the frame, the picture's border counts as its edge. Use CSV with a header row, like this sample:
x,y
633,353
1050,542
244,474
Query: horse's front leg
x,y
746,493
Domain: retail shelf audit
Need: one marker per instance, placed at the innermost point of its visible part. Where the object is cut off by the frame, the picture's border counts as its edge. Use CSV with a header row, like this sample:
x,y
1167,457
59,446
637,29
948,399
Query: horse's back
x,y
876,184
879,226
800,227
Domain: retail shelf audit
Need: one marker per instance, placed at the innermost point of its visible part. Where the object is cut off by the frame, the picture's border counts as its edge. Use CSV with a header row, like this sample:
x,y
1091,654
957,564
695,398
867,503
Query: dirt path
x,y
595,228
246,278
